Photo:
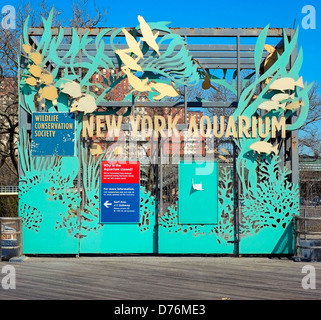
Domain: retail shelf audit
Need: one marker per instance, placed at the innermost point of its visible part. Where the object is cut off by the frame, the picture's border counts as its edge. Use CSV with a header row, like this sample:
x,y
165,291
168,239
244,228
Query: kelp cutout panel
x,y
58,218
268,201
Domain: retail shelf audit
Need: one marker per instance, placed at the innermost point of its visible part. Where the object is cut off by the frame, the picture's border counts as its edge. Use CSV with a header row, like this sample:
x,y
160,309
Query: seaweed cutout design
x,y
46,186
225,228
249,103
275,201
147,209
174,64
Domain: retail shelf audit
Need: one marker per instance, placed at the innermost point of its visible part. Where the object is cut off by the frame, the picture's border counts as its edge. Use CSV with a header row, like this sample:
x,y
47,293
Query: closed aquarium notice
x,y
120,199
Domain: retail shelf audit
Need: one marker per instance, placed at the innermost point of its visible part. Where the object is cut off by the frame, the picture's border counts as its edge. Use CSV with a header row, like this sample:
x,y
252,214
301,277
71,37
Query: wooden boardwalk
x,y
160,278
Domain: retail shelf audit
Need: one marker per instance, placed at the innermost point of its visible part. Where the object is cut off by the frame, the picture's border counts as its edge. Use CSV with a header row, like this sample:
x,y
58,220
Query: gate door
x,y
197,210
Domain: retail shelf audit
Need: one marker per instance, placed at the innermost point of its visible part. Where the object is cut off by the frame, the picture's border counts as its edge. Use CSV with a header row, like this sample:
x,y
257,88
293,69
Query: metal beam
x,y
169,104
190,32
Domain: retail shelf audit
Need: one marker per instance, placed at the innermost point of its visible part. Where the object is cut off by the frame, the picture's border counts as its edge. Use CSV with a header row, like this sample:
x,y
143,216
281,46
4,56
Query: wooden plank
x,y
164,278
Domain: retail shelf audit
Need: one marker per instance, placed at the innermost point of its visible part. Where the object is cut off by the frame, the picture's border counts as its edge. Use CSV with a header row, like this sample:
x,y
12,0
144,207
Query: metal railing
x,y
310,167
308,233
9,189
10,237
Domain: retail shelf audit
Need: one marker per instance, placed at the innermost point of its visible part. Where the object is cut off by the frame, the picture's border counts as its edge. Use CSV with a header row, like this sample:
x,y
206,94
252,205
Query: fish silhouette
x,y
286,83
71,88
46,77
282,96
35,70
96,149
136,83
165,90
225,151
31,81
133,45
272,57
86,104
36,57
148,35
128,61
271,105
264,147
295,105
49,93
27,48
223,158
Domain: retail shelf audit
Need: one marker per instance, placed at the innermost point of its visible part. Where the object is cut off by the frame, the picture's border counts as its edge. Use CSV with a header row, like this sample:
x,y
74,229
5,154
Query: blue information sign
x,y
53,134
120,198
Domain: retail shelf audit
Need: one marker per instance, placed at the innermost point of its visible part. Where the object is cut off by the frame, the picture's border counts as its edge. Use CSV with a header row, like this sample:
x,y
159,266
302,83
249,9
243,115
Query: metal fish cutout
x,y
35,71
96,149
295,105
128,61
36,57
71,88
26,48
282,96
31,81
271,105
286,83
264,147
46,77
223,158
136,83
148,35
133,44
165,90
272,57
87,104
49,93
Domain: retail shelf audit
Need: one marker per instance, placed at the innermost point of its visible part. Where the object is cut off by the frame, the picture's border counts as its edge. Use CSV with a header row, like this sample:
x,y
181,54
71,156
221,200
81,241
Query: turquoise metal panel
x,y
188,243
49,240
48,202
194,239
269,240
198,193
125,237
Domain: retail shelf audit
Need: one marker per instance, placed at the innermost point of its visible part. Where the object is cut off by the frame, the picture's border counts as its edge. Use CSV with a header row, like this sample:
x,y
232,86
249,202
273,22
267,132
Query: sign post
x,y
119,196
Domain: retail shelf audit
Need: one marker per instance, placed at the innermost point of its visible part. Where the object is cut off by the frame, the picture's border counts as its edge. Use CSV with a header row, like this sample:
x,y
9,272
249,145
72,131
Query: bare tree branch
x,y
9,52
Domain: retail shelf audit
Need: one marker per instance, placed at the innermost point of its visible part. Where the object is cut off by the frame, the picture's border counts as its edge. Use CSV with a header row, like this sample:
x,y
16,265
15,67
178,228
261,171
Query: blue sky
x,y
216,13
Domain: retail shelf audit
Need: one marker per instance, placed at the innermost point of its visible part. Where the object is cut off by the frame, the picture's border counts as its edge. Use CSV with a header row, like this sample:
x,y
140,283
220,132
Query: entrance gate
x,y
232,190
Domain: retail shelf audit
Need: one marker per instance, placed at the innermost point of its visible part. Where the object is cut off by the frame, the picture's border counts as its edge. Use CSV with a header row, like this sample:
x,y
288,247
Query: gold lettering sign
x,y
219,127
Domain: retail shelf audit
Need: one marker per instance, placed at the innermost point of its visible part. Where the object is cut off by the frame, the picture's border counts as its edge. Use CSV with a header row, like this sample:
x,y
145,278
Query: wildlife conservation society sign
x,y
120,199
53,134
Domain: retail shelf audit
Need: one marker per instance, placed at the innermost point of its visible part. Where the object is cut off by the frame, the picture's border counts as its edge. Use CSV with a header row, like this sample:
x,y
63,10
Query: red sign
x,y
119,172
